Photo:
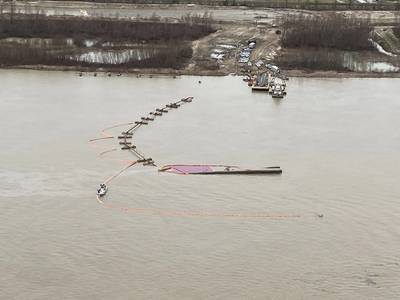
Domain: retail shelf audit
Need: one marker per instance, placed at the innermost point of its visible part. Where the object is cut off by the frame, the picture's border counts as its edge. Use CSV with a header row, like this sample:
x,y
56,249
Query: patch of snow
x,y
110,57
218,51
83,13
382,67
380,48
217,56
89,43
226,46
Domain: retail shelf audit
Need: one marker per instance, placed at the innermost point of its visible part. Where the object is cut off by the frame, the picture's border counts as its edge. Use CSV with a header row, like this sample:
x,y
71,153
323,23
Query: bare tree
x,y
329,31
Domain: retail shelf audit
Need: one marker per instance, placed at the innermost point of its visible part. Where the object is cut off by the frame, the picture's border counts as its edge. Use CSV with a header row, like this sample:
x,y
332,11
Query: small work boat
x,y
102,190
278,91
217,170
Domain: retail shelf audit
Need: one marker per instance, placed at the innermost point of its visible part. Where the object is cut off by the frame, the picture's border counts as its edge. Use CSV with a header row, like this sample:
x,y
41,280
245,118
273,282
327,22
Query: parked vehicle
x,y
273,68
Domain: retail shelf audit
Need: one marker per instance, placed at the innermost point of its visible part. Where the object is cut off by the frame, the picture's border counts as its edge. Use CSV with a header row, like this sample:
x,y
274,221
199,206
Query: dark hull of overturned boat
x,y
241,172
217,170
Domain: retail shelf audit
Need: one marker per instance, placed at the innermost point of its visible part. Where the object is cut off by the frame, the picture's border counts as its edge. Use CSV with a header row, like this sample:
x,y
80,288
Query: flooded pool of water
x,y
114,57
357,65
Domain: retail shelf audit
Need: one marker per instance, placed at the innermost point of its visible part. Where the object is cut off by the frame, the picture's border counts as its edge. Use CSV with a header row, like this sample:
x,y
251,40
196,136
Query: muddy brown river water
x,y
166,236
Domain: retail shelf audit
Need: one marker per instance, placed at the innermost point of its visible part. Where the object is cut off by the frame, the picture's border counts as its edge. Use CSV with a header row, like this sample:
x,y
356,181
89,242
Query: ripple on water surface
x,y
337,143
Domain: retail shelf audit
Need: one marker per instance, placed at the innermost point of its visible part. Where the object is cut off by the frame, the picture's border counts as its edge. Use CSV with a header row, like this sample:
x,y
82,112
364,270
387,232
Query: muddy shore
x,y
175,73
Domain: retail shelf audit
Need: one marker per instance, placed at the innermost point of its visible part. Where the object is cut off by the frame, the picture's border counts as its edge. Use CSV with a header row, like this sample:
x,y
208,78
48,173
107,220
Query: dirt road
x,y
221,14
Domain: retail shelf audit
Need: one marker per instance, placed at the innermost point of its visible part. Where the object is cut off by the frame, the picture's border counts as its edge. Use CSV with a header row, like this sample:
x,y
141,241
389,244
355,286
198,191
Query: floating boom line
x,y
126,137
128,134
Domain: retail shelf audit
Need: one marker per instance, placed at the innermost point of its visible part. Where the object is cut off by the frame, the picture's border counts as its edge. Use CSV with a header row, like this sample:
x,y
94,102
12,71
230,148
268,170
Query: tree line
x,y
189,28
332,30
167,45
316,59
291,4
396,31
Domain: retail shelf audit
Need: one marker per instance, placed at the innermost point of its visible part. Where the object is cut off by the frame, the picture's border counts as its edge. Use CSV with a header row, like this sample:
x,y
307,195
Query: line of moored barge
x,y
272,82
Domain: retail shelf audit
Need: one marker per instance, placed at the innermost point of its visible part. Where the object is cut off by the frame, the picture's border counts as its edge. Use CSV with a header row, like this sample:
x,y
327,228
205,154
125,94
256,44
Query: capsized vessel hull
x,y
217,170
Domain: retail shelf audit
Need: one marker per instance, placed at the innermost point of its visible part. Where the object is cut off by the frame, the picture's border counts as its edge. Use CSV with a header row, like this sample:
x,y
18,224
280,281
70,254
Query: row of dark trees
x,y
396,31
291,4
168,45
311,59
41,26
329,31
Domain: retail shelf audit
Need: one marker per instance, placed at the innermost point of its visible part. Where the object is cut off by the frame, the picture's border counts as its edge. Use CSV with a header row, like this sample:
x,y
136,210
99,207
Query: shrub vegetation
x,y
330,31
168,44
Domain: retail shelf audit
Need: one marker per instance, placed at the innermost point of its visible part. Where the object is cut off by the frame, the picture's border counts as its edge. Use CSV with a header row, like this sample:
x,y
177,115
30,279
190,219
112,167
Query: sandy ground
x,y
231,38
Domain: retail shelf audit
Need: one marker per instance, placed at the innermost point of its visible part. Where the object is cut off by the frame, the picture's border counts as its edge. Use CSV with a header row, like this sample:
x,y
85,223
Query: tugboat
x,y
277,91
102,190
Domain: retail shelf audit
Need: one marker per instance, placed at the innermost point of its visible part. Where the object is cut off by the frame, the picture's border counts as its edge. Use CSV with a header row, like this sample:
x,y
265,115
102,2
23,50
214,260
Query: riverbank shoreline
x,y
211,73
215,54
